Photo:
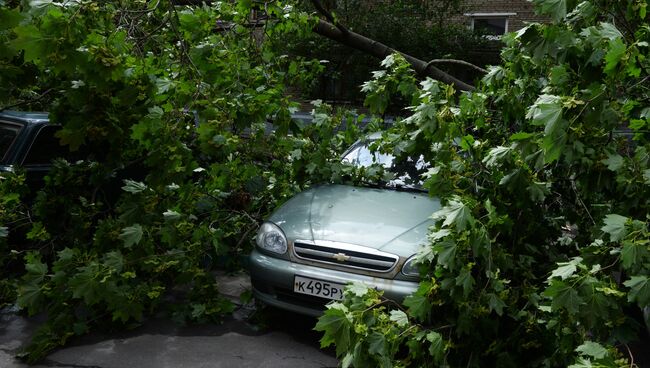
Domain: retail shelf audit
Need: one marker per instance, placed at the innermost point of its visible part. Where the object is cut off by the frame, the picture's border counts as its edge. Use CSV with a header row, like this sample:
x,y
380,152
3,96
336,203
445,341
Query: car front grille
x,y
345,255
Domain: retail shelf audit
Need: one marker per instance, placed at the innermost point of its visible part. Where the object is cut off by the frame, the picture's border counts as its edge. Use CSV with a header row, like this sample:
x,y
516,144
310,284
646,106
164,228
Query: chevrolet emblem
x,y
341,257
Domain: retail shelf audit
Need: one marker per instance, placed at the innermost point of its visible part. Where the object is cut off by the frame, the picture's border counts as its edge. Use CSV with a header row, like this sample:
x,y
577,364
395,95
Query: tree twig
x,y
575,190
182,46
455,61
36,99
629,352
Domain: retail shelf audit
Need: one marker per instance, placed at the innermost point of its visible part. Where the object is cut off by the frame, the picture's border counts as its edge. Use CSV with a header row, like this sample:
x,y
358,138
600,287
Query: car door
x,y
44,148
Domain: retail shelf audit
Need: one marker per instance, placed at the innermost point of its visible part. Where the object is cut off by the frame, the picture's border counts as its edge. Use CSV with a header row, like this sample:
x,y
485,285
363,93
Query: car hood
x,y
388,220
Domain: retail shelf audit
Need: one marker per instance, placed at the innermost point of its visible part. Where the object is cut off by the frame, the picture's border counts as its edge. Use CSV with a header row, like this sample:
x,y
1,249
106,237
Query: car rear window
x,y
8,134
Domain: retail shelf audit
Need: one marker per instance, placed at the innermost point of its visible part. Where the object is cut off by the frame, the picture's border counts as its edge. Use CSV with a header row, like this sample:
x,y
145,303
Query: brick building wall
x,y
518,12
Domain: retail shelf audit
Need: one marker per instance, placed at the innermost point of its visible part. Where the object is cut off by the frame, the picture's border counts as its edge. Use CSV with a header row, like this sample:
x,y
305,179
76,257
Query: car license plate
x,y
323,289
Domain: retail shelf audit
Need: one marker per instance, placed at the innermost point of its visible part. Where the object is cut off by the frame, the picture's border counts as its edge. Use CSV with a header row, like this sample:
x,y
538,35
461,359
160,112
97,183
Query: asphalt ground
x,y
249,338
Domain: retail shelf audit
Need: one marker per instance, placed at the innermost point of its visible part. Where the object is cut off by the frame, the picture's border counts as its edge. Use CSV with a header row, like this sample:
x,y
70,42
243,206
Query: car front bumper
x,y
272,279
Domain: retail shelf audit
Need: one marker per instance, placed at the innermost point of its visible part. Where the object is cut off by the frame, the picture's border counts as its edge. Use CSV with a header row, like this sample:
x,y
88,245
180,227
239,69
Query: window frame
x,y
505,16
20,127
31,145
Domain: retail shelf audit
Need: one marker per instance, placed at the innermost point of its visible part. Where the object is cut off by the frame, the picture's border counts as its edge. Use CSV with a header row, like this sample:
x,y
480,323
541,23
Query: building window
x,y
493,25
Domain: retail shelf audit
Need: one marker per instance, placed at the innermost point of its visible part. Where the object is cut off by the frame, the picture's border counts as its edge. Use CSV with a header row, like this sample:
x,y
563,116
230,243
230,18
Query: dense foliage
x,y
170,109
417,28
540,255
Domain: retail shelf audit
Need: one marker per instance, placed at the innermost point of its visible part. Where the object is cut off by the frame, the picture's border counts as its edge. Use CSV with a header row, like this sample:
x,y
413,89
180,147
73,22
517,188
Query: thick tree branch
x,y
321,9
379,50
346,37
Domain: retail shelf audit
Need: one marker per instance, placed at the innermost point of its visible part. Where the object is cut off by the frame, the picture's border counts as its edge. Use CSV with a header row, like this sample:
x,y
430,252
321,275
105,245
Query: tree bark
x,y
379,50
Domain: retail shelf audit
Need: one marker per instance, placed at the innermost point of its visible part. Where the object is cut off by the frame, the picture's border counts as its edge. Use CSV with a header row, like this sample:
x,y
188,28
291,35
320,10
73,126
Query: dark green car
x,y
27,140
331,235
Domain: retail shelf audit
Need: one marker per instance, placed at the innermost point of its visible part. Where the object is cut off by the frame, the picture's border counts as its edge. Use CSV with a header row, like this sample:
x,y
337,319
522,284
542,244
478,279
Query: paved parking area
x,y
287,341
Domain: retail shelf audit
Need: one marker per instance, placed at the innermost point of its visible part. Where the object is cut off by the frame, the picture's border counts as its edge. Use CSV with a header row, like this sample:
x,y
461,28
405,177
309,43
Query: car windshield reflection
x,y
407,172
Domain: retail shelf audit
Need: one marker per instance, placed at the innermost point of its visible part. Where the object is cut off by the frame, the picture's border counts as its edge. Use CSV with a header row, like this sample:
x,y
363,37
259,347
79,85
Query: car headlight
x,y
271,238
410,267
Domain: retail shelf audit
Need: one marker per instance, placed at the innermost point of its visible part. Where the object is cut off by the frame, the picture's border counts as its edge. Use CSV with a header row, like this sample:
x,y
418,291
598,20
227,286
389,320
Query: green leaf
x,y
39,4
538,191
456,213
465,280
583,363
496,156
446,251
496,304
614,162
646,176
559,75
132,186
639,290
35,268
9,18
609,31
114,261
633,253
553,145
30,296
566,269
563,296
556,9
399,317
592,349
155,113
347,360
615,226
85,284
377,344
131,235
617,49
437,347
31,41
521,136
547,111
164,85
4,231
171,215
418,306
336,326
357,288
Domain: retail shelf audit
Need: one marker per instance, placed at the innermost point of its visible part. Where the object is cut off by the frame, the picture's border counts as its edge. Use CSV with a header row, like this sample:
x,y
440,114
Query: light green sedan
x,y
331,235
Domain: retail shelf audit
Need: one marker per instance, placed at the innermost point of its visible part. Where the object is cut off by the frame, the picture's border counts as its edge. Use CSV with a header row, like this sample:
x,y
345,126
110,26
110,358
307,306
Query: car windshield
x,y
8,133
407,173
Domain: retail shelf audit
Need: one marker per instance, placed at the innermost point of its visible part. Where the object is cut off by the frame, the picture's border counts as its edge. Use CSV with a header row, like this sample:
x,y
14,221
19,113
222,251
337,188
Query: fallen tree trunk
x,y
379,50
371,47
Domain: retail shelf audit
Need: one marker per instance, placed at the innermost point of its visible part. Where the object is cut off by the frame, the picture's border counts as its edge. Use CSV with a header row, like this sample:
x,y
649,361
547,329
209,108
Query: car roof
x,y
28,117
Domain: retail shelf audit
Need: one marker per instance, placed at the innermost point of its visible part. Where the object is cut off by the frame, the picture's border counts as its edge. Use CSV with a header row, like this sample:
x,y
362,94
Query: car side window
x,y
8,134
45,147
